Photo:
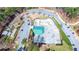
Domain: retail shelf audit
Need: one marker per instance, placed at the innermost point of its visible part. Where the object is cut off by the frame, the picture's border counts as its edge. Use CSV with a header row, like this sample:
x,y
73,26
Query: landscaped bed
x,y
64,37
63,47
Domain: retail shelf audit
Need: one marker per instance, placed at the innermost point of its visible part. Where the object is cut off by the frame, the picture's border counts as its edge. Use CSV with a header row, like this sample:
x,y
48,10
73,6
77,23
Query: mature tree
x,y
4,12
7,39
71,11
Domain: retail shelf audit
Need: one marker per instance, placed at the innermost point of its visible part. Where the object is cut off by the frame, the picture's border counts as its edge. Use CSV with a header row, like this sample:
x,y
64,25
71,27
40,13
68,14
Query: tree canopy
x,y
4,12
71,11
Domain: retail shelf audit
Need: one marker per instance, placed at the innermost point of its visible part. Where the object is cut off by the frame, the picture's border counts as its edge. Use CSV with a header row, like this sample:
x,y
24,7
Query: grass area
x,y
33,47
63,47
16,46
16,33
7,39
24,42
43,17
64,37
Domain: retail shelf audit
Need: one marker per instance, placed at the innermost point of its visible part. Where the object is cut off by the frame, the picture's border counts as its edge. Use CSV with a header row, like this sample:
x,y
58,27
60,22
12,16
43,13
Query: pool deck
x,y
51,33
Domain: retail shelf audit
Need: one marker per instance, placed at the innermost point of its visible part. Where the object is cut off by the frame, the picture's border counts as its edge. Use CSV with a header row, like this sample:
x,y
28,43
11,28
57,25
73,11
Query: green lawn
x,y
64,37
33,47
63,47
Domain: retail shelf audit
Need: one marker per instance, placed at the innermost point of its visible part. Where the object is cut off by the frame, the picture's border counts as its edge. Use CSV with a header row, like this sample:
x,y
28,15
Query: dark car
x,y
22,49
5,49
75,49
